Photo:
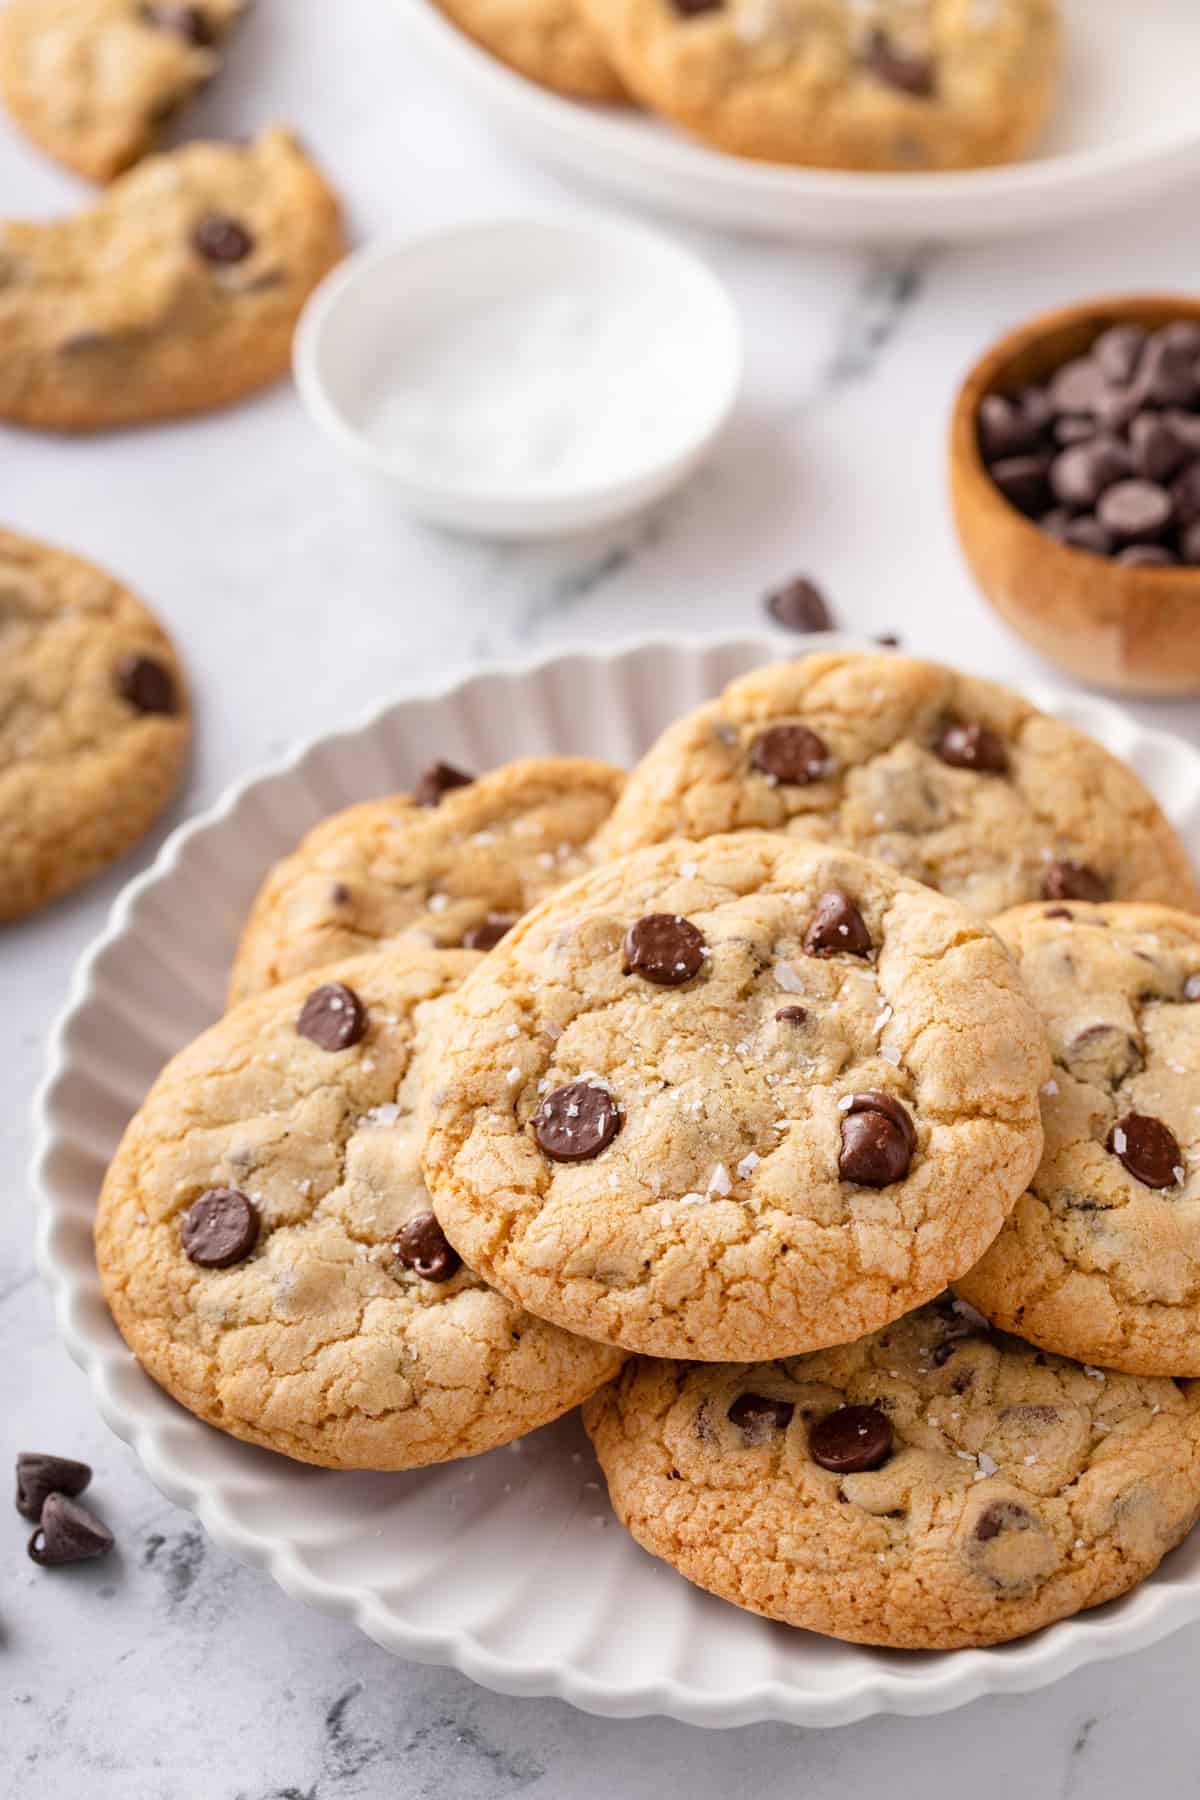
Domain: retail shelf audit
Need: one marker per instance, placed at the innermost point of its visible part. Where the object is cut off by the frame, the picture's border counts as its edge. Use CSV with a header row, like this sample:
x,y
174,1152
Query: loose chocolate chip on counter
x,y
1148,1148
790,754
146,684
220,239
852,1440
191,23
792,1015
1068,880
1135,511
422,1245
219,1229
878,1140
1022,479
39,1475
439,779
576,1122
837,928
1080,475
487,935
800,606
663,948
887,640
970,745
333,1017
898,68
758,1418
68,1533
1117,352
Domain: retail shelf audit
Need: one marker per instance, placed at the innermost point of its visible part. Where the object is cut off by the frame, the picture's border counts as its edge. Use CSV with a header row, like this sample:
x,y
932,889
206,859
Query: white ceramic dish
x,y
1128,126
510,1567
392,318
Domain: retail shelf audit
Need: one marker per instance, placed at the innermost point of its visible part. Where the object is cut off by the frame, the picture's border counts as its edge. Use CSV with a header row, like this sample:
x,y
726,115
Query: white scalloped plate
x,y
1126,127
509,1567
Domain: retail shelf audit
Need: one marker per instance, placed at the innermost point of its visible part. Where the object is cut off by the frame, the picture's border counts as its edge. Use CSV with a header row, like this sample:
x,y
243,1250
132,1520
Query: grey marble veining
x,y
301,598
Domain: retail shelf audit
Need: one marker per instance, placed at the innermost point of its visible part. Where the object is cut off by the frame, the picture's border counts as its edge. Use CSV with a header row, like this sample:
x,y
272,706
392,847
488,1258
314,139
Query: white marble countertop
x,y
300,599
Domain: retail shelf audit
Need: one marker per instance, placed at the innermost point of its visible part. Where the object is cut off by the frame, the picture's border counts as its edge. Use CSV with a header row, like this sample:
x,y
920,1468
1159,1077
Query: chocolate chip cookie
x,y
454,863
735,1099
550,41
931,1487
953,781
1101,1258
94,722
93,81
271,1256
176,292
848,84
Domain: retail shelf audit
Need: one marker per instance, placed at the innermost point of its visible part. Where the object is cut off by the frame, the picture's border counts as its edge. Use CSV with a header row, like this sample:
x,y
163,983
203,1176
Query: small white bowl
x,y
390,311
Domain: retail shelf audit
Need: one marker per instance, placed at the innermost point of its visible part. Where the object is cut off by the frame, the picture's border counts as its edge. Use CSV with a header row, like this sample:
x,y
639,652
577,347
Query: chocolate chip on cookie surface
x,y
632,1135
455,865
270,1254
952,780
94,721
175,292
1101,1257
93,81
932,1486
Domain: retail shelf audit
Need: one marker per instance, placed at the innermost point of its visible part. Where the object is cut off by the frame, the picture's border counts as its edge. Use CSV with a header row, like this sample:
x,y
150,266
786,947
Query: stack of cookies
x,y
842,84
816,1105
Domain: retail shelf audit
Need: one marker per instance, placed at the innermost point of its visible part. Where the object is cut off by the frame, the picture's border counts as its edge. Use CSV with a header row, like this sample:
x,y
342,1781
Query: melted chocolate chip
x,y
878,1140
758,1418
691,9
219,1229
837,927
800,606
851,1440
439,779
576,1122
792,1015
487,935
973,746
422,1245
663,948
790,754
68,1533
146,684
333,1017
1148,1148
1058,912
219,239
1068,880
899,68
191,23
1002,1515
39,1475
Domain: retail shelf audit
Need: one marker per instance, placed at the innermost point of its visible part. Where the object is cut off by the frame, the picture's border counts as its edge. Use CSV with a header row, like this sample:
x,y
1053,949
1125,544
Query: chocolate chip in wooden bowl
x,y
799,605
1079,475
759,1418
968,744
878,1140
438,780
576,1122
488,933
39,1474
1135,511
851,1441
1117,352
1149,1150
664,948
219,1229
790,755
68,1533
1023,480
1067,880
221,239
422,1246
1006,428
333,1017
837,927
146,684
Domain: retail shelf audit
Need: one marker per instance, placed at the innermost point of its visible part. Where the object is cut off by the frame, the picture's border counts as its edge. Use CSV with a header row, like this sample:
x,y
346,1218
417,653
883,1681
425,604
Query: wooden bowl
x,y
1134,629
